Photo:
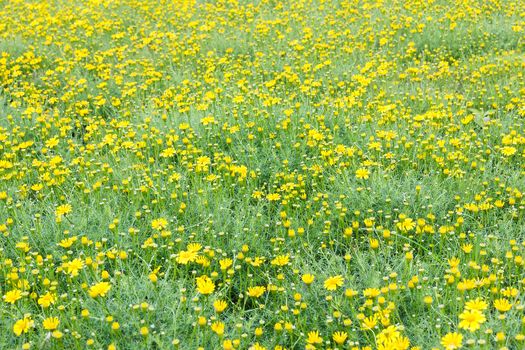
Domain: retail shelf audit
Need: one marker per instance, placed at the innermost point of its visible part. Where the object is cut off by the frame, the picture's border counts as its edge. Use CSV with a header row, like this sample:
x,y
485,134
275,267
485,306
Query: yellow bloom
x,y
362,173
218,328
159,224
332,283
273,197
502,305
256,291
57,334
62,210
471,320
369,322
308,278
50,323
476,304
281,260
219,305
12,296
205,285
46,300
508,151
340,337
99,289
225,263
184,257
452,341
74,266
144,331
23,325
314,338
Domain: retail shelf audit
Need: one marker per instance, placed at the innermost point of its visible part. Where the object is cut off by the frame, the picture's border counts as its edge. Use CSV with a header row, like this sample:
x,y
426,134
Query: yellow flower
x,y
281,260
67,242
218,328
362,173
256,291
273,197
332,283
308,278
194,247
428,300
99,289
225,263
314,338
452,341
369,322
184,257
62,210
205,285
159,224
144,331
23,325
57,334
500,336
340,337
12,296
502,305
50,323
46,300
74,266
471,320
476,304
508,151
219,305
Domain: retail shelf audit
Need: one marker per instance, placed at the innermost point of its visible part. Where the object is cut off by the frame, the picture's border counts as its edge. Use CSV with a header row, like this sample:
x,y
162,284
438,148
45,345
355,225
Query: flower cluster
x,y
308,174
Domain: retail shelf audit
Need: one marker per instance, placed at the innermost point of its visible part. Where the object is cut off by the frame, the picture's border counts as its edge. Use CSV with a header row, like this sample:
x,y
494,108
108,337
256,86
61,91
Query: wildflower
x,y
369,322
23,325
225,263
502,305
99,289
74,266
273,197
219,305
185,257
218,328
471,320
256,291
159,224
362,173
46,300
340,337
281,260
308,278
332,283
205,285
12,296
452,341
314,338
50,323
374,243
476,304
63,209
57,334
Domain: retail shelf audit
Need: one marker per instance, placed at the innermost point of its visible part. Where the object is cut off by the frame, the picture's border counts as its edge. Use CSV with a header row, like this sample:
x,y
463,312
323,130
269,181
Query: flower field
x,y
234,174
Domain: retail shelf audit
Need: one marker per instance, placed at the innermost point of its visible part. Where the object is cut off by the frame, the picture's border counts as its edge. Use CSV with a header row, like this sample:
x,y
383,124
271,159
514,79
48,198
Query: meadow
x,y
273,174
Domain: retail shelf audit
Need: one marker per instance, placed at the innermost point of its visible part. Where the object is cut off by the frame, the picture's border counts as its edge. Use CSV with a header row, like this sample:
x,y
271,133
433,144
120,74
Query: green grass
x,y
302,95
